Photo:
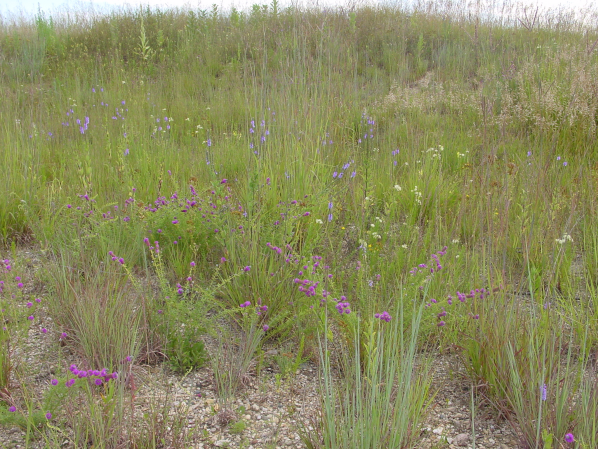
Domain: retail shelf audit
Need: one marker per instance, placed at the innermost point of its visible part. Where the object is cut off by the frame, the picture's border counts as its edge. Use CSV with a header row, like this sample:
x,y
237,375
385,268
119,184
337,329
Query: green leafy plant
x,y
237,427
185,351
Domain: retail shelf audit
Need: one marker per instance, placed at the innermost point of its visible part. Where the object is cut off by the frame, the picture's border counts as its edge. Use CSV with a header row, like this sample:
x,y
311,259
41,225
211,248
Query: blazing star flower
x,y
384,316
247,268
12,409
265,327
48,415
569,438
54,382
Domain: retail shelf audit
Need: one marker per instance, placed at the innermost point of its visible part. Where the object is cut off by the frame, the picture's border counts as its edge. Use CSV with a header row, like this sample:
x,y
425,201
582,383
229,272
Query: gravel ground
x,y
271,409
268,411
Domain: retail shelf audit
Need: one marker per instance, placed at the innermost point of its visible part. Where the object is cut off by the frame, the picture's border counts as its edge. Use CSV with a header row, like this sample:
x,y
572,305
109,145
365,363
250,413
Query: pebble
x,y
462,439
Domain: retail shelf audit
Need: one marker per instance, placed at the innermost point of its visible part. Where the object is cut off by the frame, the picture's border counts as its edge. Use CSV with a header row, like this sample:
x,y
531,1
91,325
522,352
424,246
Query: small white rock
x,y
462,439
438,430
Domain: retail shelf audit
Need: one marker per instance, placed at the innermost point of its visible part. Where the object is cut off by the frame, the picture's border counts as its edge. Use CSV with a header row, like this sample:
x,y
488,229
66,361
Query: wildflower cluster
x,y
435,259
384,316
338,174
262,133
564,239
117,212
307,286
394,162
343,306
436,152
480,293
14,286
96,377
260,309
120,260
5,266
370,123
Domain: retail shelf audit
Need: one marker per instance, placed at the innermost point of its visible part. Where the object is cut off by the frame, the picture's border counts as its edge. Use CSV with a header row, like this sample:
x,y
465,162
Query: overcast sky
x,y
9,8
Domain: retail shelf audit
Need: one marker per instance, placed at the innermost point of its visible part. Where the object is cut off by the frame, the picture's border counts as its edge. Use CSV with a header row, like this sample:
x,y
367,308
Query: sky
x,y
28,8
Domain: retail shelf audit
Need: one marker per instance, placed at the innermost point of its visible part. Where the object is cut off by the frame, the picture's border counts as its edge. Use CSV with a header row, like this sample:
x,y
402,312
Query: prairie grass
x,y
172,165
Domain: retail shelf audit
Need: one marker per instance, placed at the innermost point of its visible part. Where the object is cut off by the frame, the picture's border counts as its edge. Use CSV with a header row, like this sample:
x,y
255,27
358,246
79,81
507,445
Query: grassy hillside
x,y
382,156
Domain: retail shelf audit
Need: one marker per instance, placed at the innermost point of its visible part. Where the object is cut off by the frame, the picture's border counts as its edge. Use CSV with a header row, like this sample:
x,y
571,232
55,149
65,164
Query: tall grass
x,y
382,394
